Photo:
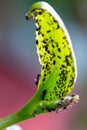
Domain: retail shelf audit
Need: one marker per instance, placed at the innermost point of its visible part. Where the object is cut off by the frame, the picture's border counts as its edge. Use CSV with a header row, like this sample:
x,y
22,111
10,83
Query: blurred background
x,y
19,62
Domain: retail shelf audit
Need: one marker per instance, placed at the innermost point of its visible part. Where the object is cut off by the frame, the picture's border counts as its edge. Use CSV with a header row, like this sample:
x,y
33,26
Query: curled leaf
x,y
58,72
54,48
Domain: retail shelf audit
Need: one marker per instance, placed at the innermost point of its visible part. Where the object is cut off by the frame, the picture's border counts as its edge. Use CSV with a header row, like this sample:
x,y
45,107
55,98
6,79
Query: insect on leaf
x,y
54,48
58,72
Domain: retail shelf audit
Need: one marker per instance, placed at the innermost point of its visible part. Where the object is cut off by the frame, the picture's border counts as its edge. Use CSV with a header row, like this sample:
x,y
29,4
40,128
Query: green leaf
x,y
54,48
58,72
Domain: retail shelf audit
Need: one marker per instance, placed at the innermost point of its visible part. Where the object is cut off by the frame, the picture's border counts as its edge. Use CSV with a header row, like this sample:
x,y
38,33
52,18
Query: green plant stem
x,y
35,106
25,113
28,111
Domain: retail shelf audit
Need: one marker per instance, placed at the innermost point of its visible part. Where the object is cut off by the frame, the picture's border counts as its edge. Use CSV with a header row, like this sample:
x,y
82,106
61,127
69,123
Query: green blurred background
x,y
19,62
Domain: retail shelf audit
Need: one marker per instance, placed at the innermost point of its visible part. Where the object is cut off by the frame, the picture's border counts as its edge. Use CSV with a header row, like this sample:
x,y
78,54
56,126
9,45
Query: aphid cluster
x,y
54,48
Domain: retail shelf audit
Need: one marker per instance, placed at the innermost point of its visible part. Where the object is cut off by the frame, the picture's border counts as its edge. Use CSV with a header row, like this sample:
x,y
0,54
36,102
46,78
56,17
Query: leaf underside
x,y
55,55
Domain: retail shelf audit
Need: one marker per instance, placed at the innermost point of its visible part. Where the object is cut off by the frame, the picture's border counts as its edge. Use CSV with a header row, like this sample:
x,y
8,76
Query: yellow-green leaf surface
x,y
54,48
58,72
